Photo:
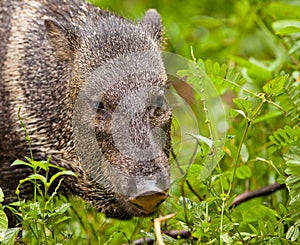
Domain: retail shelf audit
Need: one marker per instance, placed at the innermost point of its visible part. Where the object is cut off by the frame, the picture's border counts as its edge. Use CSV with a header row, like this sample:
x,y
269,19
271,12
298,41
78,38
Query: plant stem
x,y
238,155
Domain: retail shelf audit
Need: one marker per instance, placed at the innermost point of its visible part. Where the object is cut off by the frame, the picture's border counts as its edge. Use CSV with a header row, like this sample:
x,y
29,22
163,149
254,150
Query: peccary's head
x,y
120,117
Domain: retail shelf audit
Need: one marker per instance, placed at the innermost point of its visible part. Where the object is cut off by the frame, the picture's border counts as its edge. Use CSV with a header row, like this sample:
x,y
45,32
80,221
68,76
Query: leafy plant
x,y
40,218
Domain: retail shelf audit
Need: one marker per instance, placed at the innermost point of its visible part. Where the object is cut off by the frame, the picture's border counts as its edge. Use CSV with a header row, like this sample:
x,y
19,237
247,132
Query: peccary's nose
x,y
148,201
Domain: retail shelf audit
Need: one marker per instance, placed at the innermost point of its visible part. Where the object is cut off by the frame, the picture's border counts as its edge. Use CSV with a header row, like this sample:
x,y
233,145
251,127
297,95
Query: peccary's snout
x,y
148,201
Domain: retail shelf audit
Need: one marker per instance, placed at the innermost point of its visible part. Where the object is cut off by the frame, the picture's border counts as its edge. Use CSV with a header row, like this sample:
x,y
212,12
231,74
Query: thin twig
x,y
157,223
176,234
256,193
182,172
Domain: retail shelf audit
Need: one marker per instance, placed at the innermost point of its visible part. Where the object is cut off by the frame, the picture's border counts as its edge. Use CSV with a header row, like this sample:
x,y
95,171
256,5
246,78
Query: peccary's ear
x,y
63,40
152,23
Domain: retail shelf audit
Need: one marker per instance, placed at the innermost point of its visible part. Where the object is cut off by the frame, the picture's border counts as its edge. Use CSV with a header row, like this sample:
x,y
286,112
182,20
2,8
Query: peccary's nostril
x,y
148,202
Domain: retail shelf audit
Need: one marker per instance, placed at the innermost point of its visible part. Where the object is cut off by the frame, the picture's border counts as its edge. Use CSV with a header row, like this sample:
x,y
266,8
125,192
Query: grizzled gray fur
x,y
90,87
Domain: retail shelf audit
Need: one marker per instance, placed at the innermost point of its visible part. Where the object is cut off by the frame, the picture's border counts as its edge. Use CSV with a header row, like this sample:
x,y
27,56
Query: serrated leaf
x,y
243,104
275,86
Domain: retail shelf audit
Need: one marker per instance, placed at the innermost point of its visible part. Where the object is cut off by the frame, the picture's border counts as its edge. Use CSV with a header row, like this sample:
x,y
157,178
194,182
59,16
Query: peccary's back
x,y
49,51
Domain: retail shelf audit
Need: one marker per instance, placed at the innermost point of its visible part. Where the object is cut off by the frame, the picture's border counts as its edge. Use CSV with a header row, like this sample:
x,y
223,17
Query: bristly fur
x,y
47,50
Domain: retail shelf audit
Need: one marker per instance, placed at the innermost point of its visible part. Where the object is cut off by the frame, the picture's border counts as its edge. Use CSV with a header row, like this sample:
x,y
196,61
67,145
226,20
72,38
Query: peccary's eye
x,y
102,113
100,106
160,101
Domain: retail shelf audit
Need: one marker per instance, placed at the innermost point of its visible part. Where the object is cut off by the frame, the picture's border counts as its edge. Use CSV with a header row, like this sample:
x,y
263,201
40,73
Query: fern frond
x,y
283,137
292,159
222,76
289,99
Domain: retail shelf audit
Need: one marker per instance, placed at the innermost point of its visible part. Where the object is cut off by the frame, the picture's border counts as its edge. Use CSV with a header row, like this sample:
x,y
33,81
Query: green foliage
x,y
41,217
292,159
284,137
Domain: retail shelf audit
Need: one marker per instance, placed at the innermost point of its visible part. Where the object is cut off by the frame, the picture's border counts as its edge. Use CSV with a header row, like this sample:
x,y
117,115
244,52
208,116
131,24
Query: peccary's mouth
x,y
148,202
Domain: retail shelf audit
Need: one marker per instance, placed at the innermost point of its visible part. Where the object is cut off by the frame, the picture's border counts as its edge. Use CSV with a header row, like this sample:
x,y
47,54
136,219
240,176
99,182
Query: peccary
x,y
90,87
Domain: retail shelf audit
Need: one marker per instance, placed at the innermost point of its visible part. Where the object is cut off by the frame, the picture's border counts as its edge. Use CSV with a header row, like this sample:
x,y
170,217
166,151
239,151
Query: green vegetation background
x,y
215,29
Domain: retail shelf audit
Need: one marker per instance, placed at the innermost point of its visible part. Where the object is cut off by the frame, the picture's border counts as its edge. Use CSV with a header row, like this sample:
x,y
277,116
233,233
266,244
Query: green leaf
x,y
1,195
208,21
292,179
10,236
290,232
3,223
285,137
62,208
243,104
41,164
281,10
254,70
280,229
295,234
275,86
226,238
283,209
242,113
63,219
243,172
22,163
34,177
283,27
268,116
55,176
244,153
295,200
288,30
253,228
203,139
